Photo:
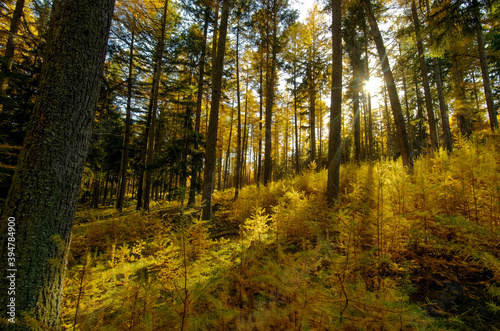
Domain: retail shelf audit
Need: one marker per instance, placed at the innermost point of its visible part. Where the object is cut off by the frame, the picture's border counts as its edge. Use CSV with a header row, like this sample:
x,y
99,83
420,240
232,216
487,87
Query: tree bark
x,y
45,187
210,157
334,142
402,136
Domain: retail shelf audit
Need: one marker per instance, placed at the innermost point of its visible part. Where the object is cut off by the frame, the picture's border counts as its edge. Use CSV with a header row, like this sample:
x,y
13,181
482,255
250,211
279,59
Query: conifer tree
x,y
402,136
334,141
210,158
43,195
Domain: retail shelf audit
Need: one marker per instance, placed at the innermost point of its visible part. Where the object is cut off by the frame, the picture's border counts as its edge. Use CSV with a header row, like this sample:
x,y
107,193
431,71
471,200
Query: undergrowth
x,y
397,252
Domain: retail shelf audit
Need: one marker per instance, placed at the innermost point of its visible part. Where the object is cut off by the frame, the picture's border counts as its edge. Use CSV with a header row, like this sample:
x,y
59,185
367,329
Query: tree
x,y
128,124
10,47
278,19
402,136
425,79
210,158
150,132
314,42
334,141
43,195
197,158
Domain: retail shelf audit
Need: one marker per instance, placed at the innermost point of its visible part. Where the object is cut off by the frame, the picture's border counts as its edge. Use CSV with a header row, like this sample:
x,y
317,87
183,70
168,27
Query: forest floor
x,y
397,252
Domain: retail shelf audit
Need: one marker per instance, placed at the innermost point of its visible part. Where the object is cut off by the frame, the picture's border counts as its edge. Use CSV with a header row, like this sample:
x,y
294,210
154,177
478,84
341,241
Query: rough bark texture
x,y
45,187
334,142
402,137
210,154
425,80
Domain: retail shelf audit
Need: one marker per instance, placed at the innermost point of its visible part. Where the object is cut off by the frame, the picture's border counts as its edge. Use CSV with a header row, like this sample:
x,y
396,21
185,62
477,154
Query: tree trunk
x,y
334,142
425,79
128,124
312,116
270,82
402,137
295,114
226,167
153,108
45,187
237,172
462,114
261,105
197,159
210,157
484,70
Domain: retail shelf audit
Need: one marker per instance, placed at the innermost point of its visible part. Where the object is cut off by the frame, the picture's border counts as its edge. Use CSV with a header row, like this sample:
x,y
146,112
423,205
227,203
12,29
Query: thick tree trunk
x,y
425,79
334,142
402,137
10,48
45,187
210,157
128,124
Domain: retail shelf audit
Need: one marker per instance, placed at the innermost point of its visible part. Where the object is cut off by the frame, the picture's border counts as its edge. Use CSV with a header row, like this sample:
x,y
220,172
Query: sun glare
x,y
373,85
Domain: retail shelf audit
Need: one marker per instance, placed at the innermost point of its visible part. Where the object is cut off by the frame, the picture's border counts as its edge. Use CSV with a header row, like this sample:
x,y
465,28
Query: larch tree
x,y
314,42
128,122
425,79
210,154
197,161
45,187
402,136
150,132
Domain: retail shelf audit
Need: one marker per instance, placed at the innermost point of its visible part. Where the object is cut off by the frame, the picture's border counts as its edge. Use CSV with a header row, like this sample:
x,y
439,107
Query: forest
x,y
249,165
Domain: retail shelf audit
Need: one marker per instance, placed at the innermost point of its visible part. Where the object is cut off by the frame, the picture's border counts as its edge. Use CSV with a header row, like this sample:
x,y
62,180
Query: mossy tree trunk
x,y
45,187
